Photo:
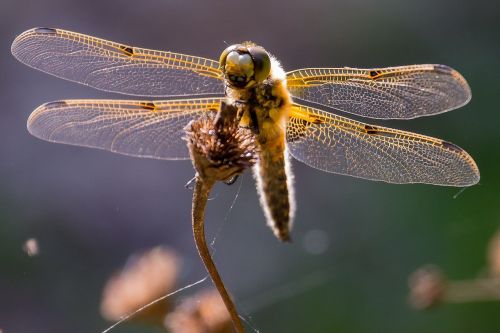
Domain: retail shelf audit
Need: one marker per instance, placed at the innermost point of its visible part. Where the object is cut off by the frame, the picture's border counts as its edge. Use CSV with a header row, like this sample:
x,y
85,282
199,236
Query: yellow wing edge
x,y
307,77
314,116
203,66
130,106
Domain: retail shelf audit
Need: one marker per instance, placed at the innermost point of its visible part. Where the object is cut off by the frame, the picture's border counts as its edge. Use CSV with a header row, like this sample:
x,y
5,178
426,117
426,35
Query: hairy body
x,y
264,108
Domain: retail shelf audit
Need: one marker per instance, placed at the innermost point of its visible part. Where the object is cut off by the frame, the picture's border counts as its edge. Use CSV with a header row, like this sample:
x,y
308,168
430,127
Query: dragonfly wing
x,y
337,144
115,67
135,128
403,92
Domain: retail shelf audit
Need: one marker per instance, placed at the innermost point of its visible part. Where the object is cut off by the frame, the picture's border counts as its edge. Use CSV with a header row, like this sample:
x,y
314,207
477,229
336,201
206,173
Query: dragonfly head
x,y
245,64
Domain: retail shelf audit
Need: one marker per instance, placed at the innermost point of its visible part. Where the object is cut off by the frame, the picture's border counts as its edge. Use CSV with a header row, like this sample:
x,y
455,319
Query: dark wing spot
x,y
316,119
443,69
371,129
45,30
127,50
148,106
451,146
374,74
55,104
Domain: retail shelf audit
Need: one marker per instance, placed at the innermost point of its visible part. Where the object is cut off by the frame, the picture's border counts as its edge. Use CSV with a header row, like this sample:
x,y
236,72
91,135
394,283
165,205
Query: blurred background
x,y
355,241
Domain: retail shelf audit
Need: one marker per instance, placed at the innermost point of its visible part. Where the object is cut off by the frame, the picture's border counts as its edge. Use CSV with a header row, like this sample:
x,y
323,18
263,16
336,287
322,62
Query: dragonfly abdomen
x,y
275,187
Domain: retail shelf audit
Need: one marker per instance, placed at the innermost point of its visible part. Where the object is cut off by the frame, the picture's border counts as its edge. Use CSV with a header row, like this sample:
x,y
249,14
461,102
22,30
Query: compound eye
x,y
235,59
245,65
239,68
261,62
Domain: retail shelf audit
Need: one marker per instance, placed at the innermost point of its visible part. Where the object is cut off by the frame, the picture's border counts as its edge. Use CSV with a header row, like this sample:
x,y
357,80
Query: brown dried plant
x,y
427,287
220,150
147,278
144,279
494,255
201,313
430,287
31,247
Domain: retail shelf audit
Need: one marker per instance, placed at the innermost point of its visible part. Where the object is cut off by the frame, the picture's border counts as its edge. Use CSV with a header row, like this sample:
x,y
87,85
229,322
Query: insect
x,y
283,110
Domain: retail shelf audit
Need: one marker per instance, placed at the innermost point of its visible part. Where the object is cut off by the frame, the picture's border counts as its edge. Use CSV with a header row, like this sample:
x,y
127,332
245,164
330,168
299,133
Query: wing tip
x,y
462,82
16,52
473,175
32,119
472,178
38,112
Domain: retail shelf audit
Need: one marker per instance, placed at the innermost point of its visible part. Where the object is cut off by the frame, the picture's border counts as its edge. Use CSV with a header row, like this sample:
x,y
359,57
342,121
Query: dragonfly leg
x,y
227,114
254,122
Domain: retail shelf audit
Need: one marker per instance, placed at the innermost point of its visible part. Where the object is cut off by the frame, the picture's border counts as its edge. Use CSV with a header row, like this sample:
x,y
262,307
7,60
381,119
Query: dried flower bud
x,y
31,247
220,149
184,322
494,255
427,287
145,278
202,313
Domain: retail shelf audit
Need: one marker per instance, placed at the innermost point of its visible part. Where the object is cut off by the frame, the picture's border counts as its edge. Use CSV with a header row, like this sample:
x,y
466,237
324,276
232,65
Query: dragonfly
x,y
297,113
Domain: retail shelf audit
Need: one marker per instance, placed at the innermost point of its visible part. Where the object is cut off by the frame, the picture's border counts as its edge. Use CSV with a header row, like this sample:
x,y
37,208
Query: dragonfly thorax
x,y
245,65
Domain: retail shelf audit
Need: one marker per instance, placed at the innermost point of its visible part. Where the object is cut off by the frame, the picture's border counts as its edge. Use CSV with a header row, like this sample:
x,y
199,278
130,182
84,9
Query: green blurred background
x,y
356,242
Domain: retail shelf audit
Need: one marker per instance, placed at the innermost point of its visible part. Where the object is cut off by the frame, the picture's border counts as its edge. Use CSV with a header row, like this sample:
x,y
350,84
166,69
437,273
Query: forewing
x,y
403,92
115,67
135,128
337,144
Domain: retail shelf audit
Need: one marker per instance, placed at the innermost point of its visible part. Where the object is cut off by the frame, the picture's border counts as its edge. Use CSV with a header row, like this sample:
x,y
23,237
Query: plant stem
x,y
200,196
485,289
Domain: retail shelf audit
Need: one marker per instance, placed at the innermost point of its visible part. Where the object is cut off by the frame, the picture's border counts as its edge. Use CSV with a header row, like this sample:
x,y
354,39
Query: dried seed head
x,y
494,255
427,287
220,149
202,313
178,321
145,278
31,247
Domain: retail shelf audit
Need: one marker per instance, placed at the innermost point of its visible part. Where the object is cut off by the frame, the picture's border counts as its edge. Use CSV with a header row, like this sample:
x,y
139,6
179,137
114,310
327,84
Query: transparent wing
x,y
337,144
115,67
135,128
385,93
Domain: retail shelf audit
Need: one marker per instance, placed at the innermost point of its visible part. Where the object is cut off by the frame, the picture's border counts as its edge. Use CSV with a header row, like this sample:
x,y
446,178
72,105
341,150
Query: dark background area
x,y
90,209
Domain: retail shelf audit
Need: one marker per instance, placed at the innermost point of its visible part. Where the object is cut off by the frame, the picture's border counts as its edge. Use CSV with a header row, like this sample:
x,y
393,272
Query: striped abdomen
x,y
275,187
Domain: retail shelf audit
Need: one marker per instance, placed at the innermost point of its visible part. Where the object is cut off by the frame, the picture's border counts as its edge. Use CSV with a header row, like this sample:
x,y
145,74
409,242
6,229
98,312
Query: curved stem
x,y
200,196
486,289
